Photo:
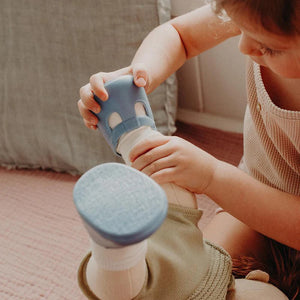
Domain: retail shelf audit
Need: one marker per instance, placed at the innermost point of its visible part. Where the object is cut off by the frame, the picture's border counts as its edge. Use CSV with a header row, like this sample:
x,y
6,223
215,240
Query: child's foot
x,y
120,208
129,107
119,205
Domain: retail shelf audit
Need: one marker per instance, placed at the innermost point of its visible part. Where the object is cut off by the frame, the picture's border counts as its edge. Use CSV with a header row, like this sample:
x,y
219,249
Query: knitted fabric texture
x,y
271,138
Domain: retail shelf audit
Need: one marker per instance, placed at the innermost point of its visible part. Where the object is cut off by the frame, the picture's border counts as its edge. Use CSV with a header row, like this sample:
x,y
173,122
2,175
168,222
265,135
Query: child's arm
x,y
267,210
169,45
162,52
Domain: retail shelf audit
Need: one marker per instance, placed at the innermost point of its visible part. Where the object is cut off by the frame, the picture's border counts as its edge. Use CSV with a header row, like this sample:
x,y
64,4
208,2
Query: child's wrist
x,y
217,167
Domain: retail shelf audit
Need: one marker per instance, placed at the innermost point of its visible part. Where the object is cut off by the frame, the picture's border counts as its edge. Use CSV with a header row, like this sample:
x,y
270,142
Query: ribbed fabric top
x,y
271,138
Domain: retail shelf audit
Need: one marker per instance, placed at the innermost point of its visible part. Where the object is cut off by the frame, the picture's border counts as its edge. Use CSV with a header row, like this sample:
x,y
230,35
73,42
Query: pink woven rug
x,y
41,235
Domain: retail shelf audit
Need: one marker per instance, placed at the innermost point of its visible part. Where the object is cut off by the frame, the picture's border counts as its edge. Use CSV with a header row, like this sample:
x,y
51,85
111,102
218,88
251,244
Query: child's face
x,y
279,53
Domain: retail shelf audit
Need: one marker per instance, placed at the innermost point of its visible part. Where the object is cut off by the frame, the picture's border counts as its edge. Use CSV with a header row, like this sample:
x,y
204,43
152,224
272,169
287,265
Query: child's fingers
x,y
165,175
147,145
90,125
140,75
87,98
98,80
158,165
118,73
150,160
97,85
89,117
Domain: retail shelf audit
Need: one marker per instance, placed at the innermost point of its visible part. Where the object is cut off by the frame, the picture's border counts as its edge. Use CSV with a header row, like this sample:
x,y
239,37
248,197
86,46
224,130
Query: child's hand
x,y
87,102
172,159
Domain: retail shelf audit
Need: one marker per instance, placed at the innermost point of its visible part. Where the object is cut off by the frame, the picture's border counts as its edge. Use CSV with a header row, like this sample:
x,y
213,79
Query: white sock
x,y
118,259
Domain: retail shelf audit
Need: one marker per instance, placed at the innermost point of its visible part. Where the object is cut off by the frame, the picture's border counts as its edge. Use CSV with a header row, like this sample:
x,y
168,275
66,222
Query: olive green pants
x,y
181,265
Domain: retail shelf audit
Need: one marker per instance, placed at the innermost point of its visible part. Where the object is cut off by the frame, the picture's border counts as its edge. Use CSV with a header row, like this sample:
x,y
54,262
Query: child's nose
x,y
249,46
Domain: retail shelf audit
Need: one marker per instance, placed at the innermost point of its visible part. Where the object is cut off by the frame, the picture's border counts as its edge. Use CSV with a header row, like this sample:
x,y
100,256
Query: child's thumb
x,y
140,75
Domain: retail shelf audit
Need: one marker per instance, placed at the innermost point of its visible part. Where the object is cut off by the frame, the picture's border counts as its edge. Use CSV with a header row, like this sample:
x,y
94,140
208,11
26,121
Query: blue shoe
x,y
123,95
119,205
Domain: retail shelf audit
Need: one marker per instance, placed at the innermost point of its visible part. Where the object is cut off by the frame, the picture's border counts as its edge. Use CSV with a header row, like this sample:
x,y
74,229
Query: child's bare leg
x,y
179,196
235,237
120,208
125,283
240,240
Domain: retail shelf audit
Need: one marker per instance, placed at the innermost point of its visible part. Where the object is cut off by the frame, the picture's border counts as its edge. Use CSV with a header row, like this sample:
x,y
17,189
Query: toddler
x,y
260,217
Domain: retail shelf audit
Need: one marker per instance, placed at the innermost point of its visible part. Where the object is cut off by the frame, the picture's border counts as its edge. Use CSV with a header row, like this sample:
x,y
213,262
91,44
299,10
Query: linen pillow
x,y
48,51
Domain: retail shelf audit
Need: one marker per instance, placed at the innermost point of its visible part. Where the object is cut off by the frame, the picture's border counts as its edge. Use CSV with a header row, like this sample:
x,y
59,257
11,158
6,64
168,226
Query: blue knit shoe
x,y
119,205
123,95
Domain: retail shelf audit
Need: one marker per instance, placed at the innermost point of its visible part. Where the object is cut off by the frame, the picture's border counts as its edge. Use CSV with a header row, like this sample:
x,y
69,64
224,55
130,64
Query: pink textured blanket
x,y
41,236
42,239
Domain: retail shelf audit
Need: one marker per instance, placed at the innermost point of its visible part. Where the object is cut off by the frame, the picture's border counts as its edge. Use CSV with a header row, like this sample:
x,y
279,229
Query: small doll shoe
x,y
119,205
124,96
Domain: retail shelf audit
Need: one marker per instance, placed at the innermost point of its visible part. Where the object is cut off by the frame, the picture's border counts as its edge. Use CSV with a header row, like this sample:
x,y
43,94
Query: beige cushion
x,y
48,50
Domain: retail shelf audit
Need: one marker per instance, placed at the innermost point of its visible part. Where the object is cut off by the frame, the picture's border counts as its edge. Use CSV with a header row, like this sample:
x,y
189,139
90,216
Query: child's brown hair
x,y
277,16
